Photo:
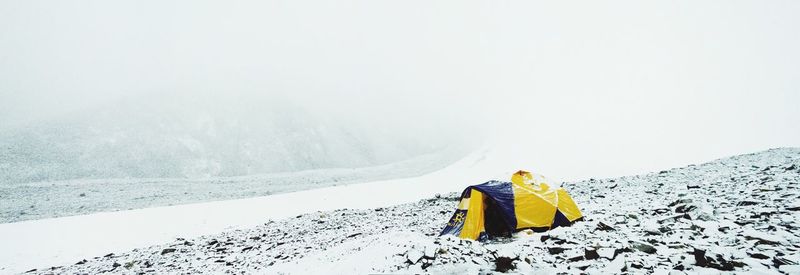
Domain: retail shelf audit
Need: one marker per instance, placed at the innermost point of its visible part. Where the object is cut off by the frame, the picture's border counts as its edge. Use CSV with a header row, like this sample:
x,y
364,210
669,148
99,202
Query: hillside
x,y
733,214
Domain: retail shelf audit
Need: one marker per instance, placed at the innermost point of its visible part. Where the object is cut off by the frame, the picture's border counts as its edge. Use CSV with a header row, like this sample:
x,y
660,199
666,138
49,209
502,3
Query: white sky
x,y
577,89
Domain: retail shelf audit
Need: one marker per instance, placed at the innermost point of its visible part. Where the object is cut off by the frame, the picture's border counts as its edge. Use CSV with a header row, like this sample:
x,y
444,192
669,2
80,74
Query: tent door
x,y
494,223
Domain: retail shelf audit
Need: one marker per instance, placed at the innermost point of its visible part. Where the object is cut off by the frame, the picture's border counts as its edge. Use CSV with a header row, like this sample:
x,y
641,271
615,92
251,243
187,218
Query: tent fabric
x,y
497,208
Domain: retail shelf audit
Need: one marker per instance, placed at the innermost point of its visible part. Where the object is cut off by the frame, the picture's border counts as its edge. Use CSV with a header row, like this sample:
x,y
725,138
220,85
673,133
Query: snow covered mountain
x,y
176,136
737,214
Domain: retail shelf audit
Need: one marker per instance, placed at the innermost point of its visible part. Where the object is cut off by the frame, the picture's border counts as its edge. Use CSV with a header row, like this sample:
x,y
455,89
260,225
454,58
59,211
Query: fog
x,y
573,90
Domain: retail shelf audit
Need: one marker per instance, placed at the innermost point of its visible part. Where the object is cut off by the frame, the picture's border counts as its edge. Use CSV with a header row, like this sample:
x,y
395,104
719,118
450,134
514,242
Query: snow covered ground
x,y
731,215
27,201
65,240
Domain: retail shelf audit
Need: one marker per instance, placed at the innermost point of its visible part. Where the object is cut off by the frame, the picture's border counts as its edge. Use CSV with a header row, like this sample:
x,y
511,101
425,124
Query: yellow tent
x,y
498,208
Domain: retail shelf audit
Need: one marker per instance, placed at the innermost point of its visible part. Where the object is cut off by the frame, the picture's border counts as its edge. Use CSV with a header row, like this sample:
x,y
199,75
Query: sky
x,y
576,89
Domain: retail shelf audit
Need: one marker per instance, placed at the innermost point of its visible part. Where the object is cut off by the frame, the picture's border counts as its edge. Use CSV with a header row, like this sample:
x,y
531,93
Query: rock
x,y
430,251
758,256
479,261
616,266
590,254
779,261
684,208
167,250
82,195
747,203
680,201
764,238
670,219
607,253
413,256
604,227
643,247
555,250
503,264
718,262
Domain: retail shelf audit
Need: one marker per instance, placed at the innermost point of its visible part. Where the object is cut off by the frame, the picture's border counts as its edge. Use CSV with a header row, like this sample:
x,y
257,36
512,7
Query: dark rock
x,y
681,201
116,264
555,250
590,254
604,227
545,237
700,257
167,250
503,264
703,260
779,261
82,261
747,203
575,259
82,195
758,256
683,208
353,235
247,248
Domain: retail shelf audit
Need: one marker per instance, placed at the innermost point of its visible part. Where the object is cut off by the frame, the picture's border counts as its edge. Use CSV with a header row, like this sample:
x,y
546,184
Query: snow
x,y
647,223
66,240
361,256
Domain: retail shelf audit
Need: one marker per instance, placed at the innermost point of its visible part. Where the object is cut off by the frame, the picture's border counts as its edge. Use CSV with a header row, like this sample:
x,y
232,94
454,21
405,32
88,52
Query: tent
x,y
497,208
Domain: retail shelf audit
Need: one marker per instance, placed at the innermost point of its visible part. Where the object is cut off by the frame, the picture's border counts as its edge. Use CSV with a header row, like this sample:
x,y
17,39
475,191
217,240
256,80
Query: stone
x,y
555,250
604,227
606,252
590,254
430,251
503,264
643,247
413,256
616,266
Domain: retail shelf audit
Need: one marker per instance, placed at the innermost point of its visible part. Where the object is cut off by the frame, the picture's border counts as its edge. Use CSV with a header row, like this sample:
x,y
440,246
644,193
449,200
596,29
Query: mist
x,y
572,90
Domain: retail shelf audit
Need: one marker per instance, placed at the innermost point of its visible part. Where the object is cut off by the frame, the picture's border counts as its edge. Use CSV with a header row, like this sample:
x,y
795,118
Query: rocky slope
x,y
731,215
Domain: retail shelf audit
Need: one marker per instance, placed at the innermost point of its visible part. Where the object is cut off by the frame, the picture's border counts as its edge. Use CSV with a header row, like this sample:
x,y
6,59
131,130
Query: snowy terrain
x,y
735,214
26,201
